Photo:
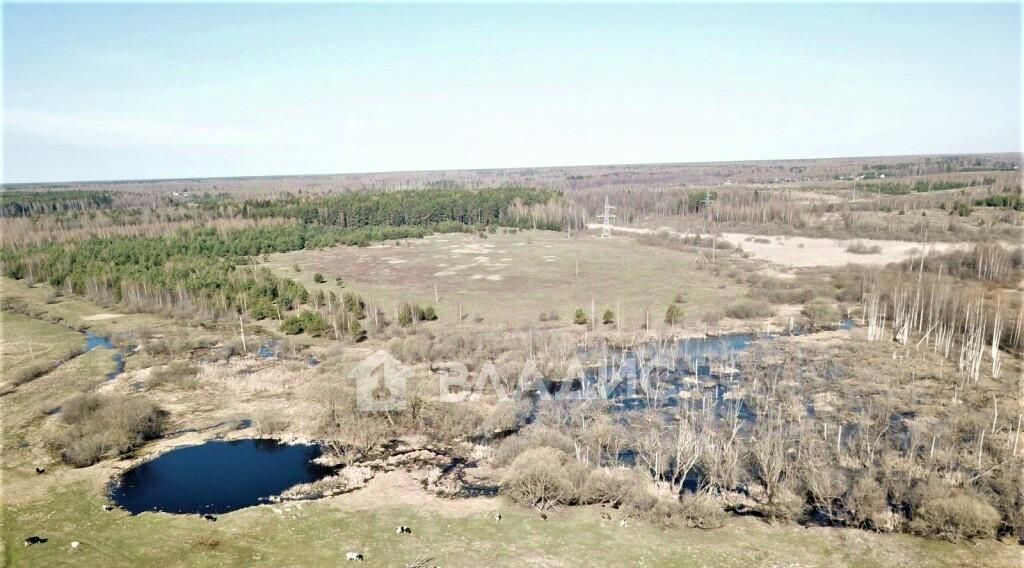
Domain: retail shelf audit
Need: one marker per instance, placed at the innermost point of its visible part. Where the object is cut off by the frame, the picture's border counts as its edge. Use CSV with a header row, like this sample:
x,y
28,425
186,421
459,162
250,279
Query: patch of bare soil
x,y
401,488
101,317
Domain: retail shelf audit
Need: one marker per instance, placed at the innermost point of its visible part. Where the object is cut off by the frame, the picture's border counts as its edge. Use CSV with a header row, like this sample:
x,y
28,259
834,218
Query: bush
x,y
319,278
867,503
95,426
580,318
951,514
540,479
311,323
701,510
858,247
179,374
532,437
749,309
269,423
820,312
674,315
608,486
608,318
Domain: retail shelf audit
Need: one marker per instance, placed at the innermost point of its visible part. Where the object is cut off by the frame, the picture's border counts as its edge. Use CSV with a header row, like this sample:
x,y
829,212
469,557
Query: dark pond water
x,y
93,341
217,477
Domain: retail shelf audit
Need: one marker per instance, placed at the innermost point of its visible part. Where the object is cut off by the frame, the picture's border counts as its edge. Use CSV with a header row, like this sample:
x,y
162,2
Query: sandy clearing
x,y
101,317
400,488
805,252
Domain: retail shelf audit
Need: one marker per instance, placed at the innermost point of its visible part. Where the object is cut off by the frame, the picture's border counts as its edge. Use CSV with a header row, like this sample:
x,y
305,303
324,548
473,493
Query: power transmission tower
x,y
606,229
707,208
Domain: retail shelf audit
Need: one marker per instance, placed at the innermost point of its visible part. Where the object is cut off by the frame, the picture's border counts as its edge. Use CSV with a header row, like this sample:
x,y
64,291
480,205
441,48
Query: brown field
x,y
511,278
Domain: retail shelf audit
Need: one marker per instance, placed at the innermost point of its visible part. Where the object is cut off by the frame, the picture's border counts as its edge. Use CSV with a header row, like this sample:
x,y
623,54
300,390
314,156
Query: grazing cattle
x,y
75,544
34,540
354,556
210,518
40,470
497,517
108,508
403,530
623,523
606,516
543,516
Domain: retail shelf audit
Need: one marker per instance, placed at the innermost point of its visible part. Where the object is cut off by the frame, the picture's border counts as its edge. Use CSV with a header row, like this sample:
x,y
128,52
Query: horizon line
x,y
8,185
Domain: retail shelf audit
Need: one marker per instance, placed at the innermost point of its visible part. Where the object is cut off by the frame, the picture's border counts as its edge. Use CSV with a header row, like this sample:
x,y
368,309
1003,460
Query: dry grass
x,y
511,278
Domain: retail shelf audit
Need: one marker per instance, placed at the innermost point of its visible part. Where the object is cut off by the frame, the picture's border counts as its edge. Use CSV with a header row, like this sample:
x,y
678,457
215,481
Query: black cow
x,y
34,540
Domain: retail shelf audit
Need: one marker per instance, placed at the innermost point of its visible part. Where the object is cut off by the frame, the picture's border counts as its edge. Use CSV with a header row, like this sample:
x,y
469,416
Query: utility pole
x,y
607,216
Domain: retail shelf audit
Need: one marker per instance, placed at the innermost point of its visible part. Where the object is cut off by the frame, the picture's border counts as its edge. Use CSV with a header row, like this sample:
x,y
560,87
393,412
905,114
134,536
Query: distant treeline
x,y
414,207
27,203
1004,201
198,270
921,186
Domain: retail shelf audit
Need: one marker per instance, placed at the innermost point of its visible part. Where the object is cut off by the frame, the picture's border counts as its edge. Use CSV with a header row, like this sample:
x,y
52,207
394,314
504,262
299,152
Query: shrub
x,y
532,437
269,423
580,318
94,426
319,278
308,322
674,315
820,312
539,479
858,247
867,503
608,318
178,374
749,309
608,486
701,510
951,514
356,331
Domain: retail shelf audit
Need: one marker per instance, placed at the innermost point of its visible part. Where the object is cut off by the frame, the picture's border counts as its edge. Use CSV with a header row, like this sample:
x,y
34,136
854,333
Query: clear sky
x,y
135,91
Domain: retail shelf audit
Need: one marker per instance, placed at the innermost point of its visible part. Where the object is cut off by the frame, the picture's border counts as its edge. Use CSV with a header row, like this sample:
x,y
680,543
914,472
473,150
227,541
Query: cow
x,y
210,518
108,508
354,556
605,516
40,470
75,544
34,540
543,516
403,530
497,517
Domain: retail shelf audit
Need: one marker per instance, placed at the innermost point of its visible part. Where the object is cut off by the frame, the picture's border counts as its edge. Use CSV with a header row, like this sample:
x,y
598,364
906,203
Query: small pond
x,y
217,477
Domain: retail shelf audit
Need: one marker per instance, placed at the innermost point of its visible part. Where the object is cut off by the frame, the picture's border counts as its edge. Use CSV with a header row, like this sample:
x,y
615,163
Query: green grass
x,y
75,312
318,534
29,346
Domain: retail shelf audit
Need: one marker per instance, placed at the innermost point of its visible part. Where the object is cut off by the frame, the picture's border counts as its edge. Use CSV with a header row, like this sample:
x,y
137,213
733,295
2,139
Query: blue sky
x,y
154,91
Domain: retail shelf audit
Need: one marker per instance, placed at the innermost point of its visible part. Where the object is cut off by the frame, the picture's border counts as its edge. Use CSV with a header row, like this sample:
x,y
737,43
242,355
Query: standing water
x,y
93,341
217,477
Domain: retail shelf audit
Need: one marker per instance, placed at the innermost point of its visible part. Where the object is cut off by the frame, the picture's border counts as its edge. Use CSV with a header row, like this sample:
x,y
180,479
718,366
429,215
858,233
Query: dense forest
x,y
401,208
198,270
28,203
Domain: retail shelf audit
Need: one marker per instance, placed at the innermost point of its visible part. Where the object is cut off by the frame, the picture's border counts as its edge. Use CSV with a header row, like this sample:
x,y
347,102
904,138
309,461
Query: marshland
x,y
706,383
